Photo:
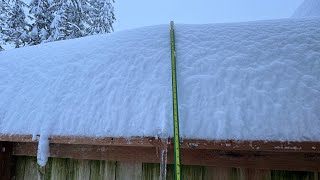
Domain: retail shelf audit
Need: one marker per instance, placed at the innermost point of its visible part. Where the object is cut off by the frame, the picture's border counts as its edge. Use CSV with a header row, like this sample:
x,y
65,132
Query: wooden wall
x,y
6,160
69,169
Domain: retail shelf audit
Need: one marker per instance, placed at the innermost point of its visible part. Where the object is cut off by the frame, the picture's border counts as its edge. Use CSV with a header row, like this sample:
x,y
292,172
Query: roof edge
x,y
243,145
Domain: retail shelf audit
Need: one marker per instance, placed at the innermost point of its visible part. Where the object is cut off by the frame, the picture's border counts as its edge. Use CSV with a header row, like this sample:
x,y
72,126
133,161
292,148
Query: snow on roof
x,y
253,81
309,8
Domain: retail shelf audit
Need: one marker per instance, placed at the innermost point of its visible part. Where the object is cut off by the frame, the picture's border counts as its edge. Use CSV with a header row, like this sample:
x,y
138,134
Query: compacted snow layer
x,y
257,80
308,8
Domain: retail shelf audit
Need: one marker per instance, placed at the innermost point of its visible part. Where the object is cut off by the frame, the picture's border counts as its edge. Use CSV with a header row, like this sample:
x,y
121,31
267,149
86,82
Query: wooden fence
x,y
86,158
70,169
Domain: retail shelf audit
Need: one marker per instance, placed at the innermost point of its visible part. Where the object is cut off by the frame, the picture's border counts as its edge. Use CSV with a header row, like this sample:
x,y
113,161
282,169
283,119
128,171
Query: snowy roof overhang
x,y
249,93
244,81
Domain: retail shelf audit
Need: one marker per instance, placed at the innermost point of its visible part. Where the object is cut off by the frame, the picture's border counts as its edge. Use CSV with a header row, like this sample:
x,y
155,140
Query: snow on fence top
x,y
253,81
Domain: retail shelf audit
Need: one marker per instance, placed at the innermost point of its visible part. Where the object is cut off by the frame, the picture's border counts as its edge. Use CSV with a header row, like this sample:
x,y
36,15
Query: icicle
x,y
34,137
43,150
163,159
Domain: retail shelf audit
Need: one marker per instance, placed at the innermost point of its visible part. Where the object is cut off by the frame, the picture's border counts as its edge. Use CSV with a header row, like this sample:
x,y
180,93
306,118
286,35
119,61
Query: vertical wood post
x,y
6,161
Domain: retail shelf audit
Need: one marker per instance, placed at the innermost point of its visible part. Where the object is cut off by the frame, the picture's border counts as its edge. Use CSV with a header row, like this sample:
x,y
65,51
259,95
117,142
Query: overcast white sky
x,y
132,14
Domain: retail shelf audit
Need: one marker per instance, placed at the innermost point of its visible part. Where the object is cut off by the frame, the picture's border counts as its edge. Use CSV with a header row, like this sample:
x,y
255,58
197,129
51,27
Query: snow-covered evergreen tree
x,y
43,16
52,20
57,25
2,25
17,26
68,21
4,15
99,16
73,24
77,18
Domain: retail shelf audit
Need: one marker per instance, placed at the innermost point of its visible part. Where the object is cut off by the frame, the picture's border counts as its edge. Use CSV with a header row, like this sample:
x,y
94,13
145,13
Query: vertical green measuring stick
x,y
177,168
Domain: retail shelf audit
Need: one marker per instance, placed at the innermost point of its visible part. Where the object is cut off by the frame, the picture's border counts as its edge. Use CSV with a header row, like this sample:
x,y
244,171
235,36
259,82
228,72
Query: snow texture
x,y
107,85
253,81
309,8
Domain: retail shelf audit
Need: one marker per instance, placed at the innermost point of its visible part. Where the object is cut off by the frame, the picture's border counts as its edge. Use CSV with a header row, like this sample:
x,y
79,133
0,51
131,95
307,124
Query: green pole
x,y
177,168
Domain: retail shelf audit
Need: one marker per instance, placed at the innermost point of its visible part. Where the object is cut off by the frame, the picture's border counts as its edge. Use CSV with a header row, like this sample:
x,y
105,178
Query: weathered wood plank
x,y
302,156
70,169
292,175
31,168
129,171
217,173
316,176
57,168
83,172
248,159
220,173
187,172
253,174
113,153
101,170
170,171
256,145
6,160
203,157
151,171
60,168
20,168
192,172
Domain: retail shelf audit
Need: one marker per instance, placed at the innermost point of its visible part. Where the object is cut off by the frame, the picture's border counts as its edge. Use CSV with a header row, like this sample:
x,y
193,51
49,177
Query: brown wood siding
x,y
270,155
301,161
70,169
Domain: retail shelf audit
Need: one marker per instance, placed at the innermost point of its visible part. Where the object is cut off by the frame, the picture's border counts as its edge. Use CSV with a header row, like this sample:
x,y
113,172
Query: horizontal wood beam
x,y
275,155
298,161
255,145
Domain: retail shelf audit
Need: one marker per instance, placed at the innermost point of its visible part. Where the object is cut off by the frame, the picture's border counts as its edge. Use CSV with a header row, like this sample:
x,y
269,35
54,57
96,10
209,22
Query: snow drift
x,y
309,8
257,80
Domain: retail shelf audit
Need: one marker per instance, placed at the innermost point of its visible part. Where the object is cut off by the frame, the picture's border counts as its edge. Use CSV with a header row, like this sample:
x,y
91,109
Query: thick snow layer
x,y
250,81
108,85
309,8
258,80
